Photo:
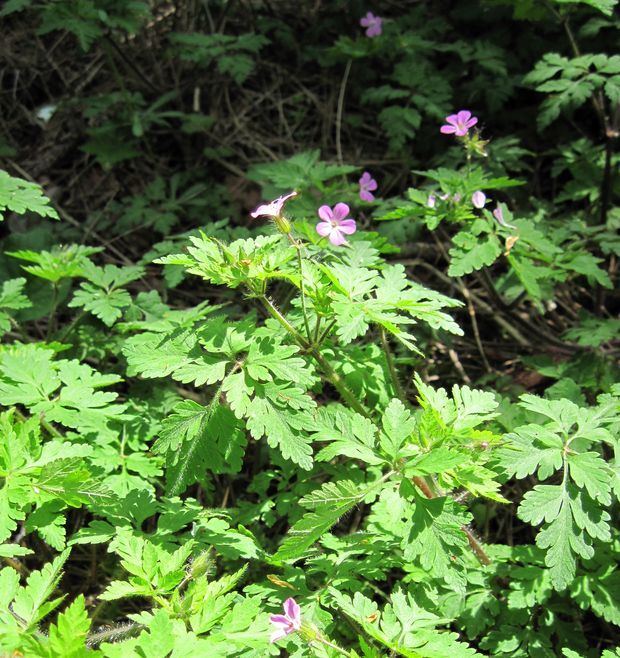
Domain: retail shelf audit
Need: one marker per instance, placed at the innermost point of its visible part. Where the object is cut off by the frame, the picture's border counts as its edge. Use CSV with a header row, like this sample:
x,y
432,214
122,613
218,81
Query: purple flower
x,y
498,213
367,186
335,223
287,623
431,201
459,124
273,209
372,24
479,198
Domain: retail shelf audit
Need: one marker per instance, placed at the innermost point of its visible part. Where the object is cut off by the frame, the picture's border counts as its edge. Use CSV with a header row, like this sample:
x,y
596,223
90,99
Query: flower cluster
x,y
335,222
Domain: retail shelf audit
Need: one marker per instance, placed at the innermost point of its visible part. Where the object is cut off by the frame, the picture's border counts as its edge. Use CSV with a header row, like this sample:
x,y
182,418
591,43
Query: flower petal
x,y
372,185
347,226
261,211
365,195
279,620
324,228
472,122
341,210
325,213
479,198
292,610
277,635
447,130
365,179
463,116
336,238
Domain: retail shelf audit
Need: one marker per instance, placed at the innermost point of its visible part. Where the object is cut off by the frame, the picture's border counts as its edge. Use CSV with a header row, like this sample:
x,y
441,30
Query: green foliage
x,y
20,196
573,513
102,295
574,81
12,298
232,55
204,414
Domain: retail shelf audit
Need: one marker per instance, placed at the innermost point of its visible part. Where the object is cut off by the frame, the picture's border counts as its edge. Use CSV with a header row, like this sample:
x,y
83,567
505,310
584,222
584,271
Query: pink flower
x,y
431,201
498,213
273,209
372,24
479,198
335,224
459,124
287,623
367,186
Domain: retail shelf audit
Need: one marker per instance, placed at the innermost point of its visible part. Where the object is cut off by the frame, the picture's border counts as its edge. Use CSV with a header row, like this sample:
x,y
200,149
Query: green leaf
x,y
67,637
346,433
20,196
329,503
566,515
107,306
197,439
30,603
398,424
283,427
474,248
587,470
605,6
12,295
61,262
437,540
599,592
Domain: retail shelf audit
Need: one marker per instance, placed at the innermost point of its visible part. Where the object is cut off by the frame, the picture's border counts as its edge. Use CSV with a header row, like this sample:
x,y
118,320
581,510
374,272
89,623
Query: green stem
x,y
50,321
317,328
71,326
276,315
350,398
113,634
398,389
303,292
333,646
332,376
325,333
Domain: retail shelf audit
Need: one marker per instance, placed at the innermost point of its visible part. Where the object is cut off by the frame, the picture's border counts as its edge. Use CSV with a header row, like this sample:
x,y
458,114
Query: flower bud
x,y
283,225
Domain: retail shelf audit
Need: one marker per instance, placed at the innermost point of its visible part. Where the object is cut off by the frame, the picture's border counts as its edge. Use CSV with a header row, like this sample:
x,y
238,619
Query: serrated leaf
x,y
437,540
198,439
284,428
472,252
328,503
20,196
67,637
31,602
398,424
346,433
